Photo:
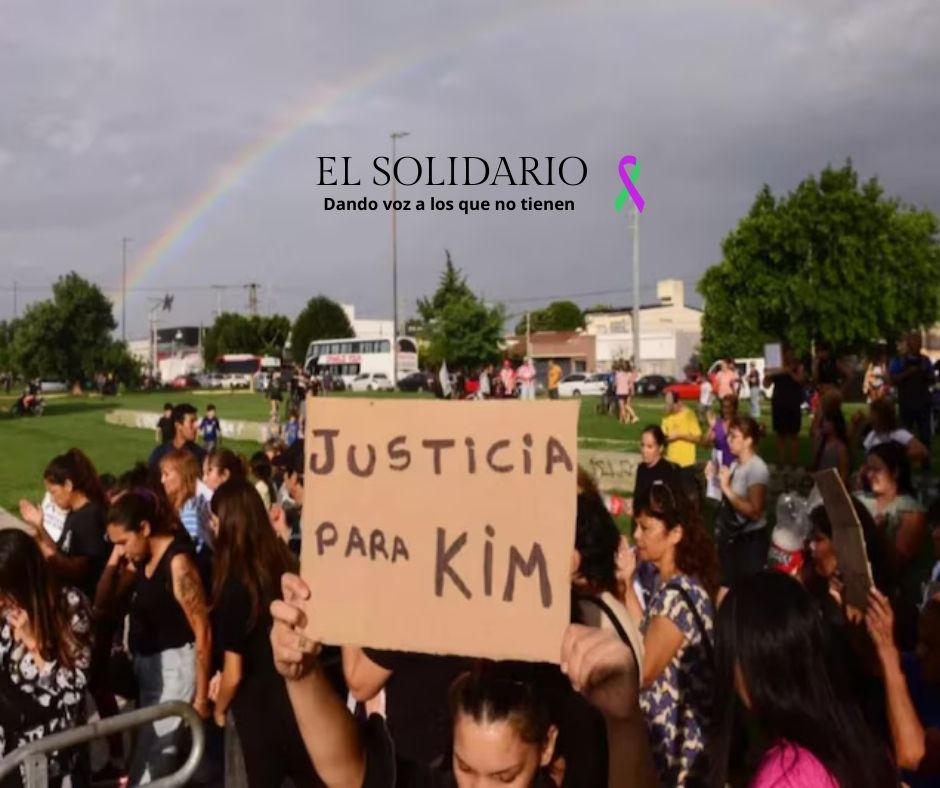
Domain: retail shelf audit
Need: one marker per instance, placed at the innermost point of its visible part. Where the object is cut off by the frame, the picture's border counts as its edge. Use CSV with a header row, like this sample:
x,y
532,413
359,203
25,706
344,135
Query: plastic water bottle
x,y
790,534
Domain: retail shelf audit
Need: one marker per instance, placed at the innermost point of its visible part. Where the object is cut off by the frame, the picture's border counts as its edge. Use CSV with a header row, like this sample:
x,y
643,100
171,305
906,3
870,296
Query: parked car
x,y
210,380
185,382
653,385
371,381
53,386
582,384
687,389
416,381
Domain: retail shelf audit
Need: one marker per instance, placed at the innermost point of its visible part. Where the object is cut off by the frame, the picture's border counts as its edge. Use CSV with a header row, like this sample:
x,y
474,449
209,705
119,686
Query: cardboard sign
x,y
847,539
612,470
773,357
440,527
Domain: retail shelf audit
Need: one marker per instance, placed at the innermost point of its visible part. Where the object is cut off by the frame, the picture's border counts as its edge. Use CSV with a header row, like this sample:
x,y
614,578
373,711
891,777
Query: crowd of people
x,y
691,659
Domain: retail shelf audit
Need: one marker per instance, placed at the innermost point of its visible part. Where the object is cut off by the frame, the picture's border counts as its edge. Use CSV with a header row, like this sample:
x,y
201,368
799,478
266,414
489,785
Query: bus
x,y
238,369
346,358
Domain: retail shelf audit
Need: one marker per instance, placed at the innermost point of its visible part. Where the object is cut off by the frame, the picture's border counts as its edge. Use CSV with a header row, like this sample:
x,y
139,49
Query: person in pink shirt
x,y
773,656
508,377
526,376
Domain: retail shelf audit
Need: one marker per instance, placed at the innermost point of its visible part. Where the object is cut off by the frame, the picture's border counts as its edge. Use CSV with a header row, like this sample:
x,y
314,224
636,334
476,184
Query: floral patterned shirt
x,y
57,689
678,705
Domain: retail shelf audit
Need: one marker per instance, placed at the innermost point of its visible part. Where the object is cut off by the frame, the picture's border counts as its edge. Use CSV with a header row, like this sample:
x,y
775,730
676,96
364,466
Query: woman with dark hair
x,y
741,520
170,638
833,439
677,624
45,651
262,474
719,427
900,517
501,731
81,551
654,467
250,560
221,465
773,655
885,427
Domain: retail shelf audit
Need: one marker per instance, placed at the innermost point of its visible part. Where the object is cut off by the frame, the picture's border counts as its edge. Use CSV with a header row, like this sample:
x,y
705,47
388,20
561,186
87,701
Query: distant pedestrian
x,y
554,378
753,382
526,374
211,429
165,429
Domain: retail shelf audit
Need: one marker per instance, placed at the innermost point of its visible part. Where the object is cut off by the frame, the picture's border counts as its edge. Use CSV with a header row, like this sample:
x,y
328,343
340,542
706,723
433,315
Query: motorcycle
x,y
28,405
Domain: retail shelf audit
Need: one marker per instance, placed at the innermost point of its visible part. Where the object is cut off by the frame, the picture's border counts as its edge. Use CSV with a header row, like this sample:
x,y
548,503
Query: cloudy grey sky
x,y
119,116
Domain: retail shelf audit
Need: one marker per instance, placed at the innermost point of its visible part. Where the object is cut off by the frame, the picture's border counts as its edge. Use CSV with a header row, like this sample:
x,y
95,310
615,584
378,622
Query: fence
x,y
34,756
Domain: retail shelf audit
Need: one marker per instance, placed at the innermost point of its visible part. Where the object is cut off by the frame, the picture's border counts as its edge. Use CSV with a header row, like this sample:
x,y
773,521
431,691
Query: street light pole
x,y
636,289
124,241
396,135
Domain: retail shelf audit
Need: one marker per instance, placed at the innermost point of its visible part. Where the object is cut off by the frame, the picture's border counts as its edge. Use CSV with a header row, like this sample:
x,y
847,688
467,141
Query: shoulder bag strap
x,y
706,640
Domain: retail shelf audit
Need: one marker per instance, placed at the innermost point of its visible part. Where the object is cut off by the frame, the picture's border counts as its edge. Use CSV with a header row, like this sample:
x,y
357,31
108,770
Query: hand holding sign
x,y
440,529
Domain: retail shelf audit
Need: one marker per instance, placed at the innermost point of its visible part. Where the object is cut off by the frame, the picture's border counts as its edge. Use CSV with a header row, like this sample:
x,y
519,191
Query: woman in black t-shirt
x,y
81,551
170,639
654,466
249,562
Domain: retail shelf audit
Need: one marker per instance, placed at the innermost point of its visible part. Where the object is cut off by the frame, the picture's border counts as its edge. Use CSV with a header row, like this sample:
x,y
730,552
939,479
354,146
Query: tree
x,y
557,316
69,336
451,287
834,260
322,318
7,329
457,326
233,333
465,333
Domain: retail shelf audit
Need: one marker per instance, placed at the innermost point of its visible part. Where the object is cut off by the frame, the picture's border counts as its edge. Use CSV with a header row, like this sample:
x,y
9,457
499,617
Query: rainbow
x,y
186,224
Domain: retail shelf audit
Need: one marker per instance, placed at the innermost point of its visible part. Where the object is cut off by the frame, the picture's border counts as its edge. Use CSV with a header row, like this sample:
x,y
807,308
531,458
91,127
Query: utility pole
x,y
218,298
252,298
15,313
396,135
528,335
124,242
636,288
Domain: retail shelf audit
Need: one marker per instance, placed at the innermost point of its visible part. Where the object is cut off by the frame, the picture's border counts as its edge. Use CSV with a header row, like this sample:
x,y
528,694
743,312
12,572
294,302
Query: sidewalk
x,y
7,520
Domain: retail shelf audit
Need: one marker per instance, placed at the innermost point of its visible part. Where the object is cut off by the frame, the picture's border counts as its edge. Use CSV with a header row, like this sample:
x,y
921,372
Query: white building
x,y
367,327
670,332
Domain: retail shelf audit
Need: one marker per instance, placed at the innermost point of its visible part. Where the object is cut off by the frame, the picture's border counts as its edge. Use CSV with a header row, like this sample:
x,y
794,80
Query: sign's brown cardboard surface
x,y
847,539
440,527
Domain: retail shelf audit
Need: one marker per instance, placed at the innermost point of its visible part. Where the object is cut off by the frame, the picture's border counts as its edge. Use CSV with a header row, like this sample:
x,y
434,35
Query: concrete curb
x,y
233,429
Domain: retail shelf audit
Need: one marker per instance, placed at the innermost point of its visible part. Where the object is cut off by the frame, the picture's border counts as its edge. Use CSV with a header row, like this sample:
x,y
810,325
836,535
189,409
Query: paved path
x,y
7,520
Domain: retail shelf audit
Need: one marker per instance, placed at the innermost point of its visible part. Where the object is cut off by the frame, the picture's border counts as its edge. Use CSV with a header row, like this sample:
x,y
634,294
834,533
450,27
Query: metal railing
x,y
34,756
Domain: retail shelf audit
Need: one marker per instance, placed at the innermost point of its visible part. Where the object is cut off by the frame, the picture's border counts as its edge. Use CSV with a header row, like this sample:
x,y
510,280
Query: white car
x,y
579,384
371,381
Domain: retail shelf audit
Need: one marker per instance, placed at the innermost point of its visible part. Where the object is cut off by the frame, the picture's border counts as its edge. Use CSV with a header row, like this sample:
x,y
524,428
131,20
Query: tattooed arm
x,y
188,590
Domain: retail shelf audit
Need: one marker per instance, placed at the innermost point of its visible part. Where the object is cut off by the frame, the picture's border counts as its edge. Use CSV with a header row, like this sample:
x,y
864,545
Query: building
x,y
573,350
367,327
670,332
178,351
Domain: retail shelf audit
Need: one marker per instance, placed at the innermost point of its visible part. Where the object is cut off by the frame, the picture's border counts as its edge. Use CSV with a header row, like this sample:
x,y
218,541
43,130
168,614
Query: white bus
x,y
347,358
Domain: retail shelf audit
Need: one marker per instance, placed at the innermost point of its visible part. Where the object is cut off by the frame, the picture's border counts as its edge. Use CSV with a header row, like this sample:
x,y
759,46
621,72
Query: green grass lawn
x,y
28,443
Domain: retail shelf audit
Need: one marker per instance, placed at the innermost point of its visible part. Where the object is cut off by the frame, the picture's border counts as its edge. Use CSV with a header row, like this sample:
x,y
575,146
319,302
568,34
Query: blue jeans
x,y
169,675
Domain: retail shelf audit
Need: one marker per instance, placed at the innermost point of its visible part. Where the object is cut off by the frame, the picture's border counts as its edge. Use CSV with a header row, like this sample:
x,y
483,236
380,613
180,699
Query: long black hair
x,y
26,580
769,630
75,467
893,455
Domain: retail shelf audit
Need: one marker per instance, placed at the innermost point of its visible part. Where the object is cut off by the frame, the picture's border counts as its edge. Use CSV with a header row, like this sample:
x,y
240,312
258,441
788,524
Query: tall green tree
x,y
322,318
69,336
834,260
465,333
6,345
557,316
233,333
452,286
456,325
